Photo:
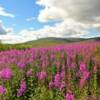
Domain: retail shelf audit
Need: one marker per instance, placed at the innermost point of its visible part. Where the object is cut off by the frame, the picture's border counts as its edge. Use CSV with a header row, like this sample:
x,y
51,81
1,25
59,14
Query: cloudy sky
x,y
25,20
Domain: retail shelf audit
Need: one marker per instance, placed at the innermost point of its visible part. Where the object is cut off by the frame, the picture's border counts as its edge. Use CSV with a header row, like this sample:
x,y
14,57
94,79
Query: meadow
x,y
57,72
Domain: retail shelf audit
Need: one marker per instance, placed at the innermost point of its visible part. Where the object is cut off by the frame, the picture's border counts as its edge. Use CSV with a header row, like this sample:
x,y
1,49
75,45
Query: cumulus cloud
x,y
3,29
76,16
63,29
11,39
51,14
80,10
5,13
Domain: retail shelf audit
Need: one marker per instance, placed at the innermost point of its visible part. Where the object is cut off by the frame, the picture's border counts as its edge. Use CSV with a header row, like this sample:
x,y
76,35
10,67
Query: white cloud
x,y
11,39
71,13
5,13
3,29
22,37
85,11
63,29
45,15
30,19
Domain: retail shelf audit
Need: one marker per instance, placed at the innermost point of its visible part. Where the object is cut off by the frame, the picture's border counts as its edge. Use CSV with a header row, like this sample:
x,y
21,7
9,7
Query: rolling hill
x,y
46,42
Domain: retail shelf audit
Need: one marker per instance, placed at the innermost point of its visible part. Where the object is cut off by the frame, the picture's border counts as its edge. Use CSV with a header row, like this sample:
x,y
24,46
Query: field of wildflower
x,y
63,72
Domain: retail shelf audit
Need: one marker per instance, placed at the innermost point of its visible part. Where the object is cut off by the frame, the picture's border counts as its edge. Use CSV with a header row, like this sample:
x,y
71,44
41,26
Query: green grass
x,y
39,43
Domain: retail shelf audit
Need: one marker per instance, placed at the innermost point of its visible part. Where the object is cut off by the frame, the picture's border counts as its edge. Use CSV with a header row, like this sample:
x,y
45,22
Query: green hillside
x,y
44,42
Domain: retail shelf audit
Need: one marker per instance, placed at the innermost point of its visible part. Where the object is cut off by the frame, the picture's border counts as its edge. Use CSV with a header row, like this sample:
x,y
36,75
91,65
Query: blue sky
x,y
49,18
22,9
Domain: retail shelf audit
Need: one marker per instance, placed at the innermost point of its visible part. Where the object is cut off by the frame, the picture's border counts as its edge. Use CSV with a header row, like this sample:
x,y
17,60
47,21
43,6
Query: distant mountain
x,y
63,40
95,39
57,40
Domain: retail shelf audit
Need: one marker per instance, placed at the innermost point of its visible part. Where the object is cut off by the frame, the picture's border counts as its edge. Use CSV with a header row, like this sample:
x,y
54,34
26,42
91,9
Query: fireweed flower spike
x,y
51,84
22,88
6,73
21,65
29,73
41,75
95,69
2,90
57,82
70,96
84,77
82,67
62,86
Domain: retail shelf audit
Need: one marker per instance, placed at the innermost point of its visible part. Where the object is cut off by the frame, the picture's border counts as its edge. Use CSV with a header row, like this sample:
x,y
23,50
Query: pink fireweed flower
x,y
51,84
41,75
72,65
29,73
52,56
6,73
68,62
21,65
2,90
62,86
70,96
22,88
95,69
57,64
57,80
82,67
63,67
82,83
84,77
63,74
57,77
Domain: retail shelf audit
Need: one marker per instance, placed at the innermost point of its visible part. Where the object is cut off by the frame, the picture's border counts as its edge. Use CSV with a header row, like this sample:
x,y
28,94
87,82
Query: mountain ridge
x,y
67,40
